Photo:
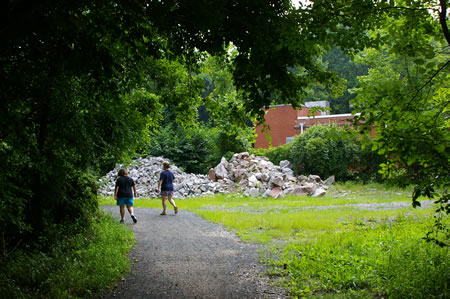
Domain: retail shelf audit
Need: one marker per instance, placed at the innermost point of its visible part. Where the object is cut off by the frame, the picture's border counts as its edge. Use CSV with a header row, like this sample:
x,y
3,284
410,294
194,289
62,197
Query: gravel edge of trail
x,y
185,256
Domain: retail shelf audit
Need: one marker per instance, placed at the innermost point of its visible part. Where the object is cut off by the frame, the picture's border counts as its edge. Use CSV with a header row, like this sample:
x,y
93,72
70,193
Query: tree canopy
x,y
405,96
83,82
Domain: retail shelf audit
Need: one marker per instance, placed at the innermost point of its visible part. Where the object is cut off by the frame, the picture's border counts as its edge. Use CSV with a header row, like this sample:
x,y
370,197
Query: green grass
x,y
339,194
76,267
330,247
379,259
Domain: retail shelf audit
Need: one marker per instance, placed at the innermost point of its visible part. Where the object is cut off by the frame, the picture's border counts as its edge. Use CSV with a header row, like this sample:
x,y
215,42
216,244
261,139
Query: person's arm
x,y
115,192
134,188
159,185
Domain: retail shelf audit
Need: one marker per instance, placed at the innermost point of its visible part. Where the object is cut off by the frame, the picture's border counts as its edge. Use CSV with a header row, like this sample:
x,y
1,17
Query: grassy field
x,y
356,242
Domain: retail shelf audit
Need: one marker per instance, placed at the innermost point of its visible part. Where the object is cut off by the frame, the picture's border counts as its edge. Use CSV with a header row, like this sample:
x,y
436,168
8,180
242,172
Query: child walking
x,y
165,184
123,194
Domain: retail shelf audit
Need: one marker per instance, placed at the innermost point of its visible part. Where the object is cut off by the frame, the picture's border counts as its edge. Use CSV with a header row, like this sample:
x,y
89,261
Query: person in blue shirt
x,y
123,194
165,184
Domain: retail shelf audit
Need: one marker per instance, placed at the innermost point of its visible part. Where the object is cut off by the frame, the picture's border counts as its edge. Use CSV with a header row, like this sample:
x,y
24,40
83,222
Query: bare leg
x,y
172,202
130,210
122,211
163,198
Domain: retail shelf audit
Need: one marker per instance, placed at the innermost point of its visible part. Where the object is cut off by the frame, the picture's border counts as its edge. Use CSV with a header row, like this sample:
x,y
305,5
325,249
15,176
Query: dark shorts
x,y
166,193
125,201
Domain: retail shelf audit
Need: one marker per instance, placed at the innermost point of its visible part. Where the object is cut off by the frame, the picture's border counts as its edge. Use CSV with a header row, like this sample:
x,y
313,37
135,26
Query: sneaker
x,y
176,210
121,221
163,213
134,218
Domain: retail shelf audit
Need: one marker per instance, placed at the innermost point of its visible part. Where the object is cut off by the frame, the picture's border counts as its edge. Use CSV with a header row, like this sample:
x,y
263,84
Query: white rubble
x,y
248,174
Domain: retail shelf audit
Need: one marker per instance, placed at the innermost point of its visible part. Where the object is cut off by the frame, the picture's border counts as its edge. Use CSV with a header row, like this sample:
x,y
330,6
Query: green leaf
x,y
431,65
440,148
411,161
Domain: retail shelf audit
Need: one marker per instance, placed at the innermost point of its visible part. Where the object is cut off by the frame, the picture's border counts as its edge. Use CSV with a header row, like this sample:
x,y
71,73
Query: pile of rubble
x,y
245,173
145,172
257,176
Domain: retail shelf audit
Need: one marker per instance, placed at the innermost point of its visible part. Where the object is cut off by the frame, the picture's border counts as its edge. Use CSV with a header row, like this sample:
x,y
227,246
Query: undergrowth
x,y
386,259
76,267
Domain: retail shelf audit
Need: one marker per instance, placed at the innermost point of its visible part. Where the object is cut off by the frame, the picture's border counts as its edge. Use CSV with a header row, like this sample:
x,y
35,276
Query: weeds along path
x,y
185,256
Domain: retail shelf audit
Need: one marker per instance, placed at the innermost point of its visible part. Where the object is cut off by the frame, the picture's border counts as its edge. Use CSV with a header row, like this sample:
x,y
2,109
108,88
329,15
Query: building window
x,y
289,139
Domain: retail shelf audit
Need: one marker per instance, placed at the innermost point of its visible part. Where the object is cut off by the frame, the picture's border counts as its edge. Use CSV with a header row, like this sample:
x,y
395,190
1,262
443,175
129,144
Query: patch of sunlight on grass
x,y
300,225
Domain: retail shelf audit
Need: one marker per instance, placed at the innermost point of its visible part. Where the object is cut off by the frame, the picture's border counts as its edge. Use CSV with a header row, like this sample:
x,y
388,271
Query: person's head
x,y
122,172
166,165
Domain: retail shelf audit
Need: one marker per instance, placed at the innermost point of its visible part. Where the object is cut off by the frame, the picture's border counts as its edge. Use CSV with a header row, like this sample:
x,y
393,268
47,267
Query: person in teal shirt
x,y
123,194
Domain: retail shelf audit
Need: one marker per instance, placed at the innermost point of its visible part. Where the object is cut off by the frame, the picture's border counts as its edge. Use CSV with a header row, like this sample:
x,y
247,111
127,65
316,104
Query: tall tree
x,y
71,77
226,105
347,71
65,69
405,97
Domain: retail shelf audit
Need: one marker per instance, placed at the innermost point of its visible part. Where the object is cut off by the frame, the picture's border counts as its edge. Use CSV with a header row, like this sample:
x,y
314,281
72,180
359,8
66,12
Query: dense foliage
x,y
329,150
79,265
348,71
192,153
85,83
405,96
325,151
65,72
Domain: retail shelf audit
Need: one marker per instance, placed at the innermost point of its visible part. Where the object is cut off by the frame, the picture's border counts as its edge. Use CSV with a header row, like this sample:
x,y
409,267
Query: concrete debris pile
x,y
145,172
245,173
257,176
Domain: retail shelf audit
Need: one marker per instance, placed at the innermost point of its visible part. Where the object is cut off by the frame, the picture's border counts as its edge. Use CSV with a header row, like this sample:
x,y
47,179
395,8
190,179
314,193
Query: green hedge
x,y
275,154
329,150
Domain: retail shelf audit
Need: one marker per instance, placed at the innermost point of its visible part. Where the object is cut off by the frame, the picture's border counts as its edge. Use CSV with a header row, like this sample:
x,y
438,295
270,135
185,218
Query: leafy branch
x,y
443,20
426,83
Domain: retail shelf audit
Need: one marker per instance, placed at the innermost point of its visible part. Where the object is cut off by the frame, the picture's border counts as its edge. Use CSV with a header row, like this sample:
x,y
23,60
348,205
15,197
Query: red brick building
x,y
286,122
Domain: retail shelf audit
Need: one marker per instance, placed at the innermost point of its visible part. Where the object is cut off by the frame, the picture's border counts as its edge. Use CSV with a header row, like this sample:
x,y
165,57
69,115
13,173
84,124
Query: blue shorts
x,y
125,201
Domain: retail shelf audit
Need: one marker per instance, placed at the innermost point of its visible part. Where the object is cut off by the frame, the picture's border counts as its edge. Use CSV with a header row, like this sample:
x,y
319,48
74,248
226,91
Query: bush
x,y
274,154
325,151
328,150
227,144
196,150
78,265
368,166
191,152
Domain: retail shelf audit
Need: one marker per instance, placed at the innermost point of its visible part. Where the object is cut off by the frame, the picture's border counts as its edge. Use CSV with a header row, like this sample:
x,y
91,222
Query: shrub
x,y
274,154
325,151
226,144
368,166
77,266
196,150
192,152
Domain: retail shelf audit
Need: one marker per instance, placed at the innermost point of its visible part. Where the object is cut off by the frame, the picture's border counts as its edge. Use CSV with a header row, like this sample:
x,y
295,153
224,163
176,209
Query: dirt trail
x,y
185,256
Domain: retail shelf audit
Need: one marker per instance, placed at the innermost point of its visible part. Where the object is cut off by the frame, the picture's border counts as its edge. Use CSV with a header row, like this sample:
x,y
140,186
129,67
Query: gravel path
x,y
185,256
